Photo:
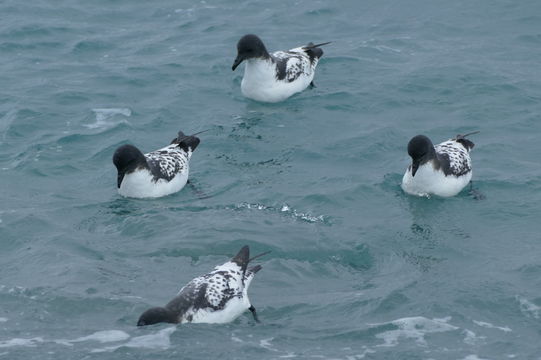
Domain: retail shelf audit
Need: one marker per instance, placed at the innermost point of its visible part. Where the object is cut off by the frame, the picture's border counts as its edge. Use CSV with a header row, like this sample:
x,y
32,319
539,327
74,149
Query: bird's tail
x,y
312,46
243,258
181,136
314,51
468,144
187,141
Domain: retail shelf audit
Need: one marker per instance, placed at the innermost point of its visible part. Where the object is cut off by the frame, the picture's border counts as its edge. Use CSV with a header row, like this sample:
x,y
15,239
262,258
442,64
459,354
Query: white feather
x,y
260,83
140,184
233,308
429,181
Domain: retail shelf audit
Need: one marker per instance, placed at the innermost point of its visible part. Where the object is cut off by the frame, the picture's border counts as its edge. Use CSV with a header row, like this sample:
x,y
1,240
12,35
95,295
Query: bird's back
x,y
216,297
167,162
454,157
295,63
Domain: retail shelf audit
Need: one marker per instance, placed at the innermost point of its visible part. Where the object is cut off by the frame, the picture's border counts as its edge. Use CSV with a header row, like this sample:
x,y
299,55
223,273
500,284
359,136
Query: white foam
x,y
266,344
362,355
413,328
287,210
160,340
105,336
21,342
104,116
490,326
288,356
3,319
236,338
528,308
6,121
473,357
471,338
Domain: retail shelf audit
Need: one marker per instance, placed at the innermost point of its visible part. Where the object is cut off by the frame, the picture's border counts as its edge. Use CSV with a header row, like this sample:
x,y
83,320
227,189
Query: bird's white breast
x,y
140,184
232,310
429,181
260,83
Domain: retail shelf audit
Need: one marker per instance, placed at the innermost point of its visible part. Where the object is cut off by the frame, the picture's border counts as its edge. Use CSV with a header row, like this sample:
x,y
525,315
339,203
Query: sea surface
x,y
358,269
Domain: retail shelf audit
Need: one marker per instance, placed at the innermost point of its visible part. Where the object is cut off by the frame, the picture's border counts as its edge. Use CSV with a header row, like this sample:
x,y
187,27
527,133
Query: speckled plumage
x,y
168,162
454,157
158,173
217,297
213,292
273,77
292,64
443,170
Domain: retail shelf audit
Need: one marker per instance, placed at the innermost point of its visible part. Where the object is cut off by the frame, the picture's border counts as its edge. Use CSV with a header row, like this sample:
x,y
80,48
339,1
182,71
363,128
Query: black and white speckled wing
x,y
209,292
454,157
167,162
290,65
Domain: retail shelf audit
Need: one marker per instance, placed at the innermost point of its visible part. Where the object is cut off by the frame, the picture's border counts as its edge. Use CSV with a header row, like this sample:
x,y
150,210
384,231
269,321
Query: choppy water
x,y
357,269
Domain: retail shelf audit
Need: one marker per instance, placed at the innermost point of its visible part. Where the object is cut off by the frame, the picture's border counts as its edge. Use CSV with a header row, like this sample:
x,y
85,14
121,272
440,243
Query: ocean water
x,y
358,269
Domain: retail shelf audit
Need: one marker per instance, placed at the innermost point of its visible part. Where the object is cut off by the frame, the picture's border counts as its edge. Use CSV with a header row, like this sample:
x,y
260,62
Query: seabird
x,y
443,170
217,297
275,77
158,173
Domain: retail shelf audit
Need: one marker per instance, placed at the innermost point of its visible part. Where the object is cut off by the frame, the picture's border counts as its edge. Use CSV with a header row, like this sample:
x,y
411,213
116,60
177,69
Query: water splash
x,y
491,326
6,121
160,340
528,308
32,342
413,328
286,210
104,117
104,336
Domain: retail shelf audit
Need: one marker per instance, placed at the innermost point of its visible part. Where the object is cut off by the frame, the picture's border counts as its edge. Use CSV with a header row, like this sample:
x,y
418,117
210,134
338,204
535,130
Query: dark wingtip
x,y
179,138
255,269
468,144
459,136
314,51
259,255
188,141
311,45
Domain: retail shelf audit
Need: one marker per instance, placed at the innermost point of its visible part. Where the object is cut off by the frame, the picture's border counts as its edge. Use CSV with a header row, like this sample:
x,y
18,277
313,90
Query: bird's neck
x,y
259,69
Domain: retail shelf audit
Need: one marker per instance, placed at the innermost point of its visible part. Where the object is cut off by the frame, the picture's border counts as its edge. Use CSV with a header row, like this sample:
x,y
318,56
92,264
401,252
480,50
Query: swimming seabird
x,y
158,173
275,77
217,297
443,170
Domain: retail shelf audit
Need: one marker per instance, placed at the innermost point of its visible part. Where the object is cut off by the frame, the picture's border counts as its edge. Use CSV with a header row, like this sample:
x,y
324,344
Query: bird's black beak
x,y
414,167
237,62
119,179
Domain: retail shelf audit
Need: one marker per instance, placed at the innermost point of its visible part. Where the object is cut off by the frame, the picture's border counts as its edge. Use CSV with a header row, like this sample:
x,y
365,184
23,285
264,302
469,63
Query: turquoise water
x,y
358,270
